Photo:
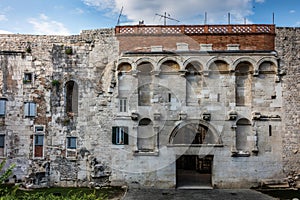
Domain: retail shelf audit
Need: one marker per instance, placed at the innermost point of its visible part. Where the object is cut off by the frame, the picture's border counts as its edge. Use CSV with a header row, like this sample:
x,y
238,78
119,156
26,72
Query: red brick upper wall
x,y
249,37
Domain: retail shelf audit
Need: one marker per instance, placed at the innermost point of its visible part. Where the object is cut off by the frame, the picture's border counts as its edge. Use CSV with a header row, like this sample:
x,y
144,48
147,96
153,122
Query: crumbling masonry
x,y
212,106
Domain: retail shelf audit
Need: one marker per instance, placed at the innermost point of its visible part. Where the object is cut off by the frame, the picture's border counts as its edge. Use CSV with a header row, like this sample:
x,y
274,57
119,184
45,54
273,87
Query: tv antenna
x,y
118,22
166,17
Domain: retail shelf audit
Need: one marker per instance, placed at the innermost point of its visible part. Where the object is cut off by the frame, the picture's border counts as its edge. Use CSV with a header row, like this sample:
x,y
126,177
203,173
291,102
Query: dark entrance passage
x,y
193,171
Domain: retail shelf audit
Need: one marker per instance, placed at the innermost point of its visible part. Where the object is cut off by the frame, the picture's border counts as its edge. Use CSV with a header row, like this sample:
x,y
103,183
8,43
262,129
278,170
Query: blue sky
x,y
65,17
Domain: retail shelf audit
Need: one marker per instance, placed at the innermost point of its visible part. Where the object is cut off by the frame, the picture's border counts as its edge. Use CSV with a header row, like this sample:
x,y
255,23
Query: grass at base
x,y
64,192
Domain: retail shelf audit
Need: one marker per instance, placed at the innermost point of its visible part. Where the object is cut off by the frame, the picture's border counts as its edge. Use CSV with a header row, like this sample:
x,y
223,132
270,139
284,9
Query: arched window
x,y
193,83
71,89
243,96
193,133
144,83
124,81
146,140
243,130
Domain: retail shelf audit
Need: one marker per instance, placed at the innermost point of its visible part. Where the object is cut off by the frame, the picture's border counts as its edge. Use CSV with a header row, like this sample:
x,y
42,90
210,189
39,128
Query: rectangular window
x,y
2,107
71,142
30,109
27,78
38,146
71,147
2,144
123,105
270,130
120,135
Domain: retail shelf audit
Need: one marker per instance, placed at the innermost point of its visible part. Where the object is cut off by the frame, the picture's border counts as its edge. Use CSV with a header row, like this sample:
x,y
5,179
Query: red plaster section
x,y
249,37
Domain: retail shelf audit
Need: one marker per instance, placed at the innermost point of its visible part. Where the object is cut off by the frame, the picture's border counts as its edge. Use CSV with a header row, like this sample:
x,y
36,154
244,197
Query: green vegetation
x,y
10,193
28,50
55,82
69,51
4,175
14,192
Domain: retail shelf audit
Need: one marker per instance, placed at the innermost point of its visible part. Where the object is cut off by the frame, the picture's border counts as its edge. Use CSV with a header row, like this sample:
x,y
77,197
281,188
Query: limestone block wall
x,y
262,157
287,45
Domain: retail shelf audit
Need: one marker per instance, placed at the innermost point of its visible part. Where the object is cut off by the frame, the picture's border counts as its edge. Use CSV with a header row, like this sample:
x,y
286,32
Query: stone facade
x,y
287,46
151,106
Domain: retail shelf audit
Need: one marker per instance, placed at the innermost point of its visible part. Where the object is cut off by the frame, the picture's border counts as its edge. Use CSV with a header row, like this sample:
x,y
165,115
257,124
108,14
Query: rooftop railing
x,y
196,29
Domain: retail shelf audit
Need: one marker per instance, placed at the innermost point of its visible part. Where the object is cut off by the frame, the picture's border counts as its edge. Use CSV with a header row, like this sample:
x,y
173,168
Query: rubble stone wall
x,y
287,46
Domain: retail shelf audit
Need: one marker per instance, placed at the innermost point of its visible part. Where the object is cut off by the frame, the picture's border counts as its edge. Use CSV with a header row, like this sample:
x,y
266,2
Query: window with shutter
x,y
39,146
2,107
120,135
30,109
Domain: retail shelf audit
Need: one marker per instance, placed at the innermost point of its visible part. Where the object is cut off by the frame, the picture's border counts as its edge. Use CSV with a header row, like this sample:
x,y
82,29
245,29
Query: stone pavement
x,y
224,194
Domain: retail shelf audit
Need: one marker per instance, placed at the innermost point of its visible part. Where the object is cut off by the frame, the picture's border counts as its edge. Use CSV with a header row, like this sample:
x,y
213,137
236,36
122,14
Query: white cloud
x,y
44,26
3,18
187,11
259,1
5,32
292,11
100,4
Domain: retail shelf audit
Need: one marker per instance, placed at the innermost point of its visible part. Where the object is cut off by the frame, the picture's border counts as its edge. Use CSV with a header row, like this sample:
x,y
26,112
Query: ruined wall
x,y
51,62
287,46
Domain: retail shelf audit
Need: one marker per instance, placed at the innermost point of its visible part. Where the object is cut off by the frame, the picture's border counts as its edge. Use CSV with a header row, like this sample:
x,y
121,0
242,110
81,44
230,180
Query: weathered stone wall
x,y
89,61
287,46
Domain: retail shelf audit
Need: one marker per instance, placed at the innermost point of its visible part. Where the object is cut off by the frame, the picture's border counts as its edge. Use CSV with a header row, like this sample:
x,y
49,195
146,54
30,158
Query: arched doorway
x,y
194,170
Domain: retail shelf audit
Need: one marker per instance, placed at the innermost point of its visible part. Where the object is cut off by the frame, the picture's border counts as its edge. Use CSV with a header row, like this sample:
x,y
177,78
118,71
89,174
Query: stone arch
x,y
169,59
146,60
126,60
124,67
194,66
267,67
268,59
243,130
194,132
169,66
244,60
145,67
71,97
146,139
214,59
193,60
219,66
